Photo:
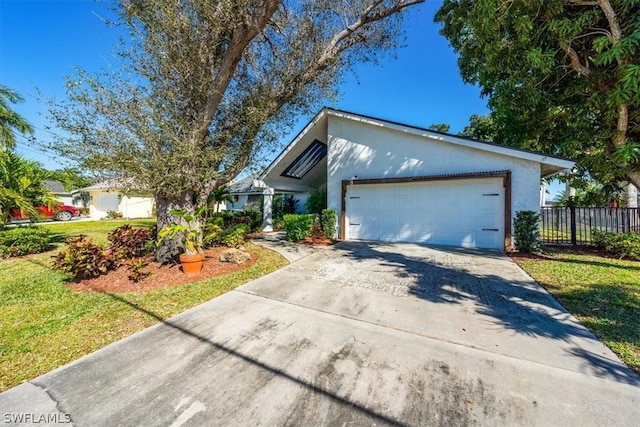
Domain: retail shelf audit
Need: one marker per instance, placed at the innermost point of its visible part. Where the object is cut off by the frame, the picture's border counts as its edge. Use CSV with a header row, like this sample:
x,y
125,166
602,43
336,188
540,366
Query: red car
x,y
60,213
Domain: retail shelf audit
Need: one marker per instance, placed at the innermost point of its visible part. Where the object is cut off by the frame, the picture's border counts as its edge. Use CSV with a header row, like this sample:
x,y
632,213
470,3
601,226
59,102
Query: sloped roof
x,y
244,186
115,184
54,186
549,165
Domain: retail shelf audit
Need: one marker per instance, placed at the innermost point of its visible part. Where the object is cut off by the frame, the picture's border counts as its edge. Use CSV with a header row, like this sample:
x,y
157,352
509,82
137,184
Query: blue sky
x,y
41,41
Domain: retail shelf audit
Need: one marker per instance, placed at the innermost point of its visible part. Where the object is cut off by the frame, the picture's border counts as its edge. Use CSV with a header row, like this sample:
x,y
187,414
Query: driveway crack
x,y
65,415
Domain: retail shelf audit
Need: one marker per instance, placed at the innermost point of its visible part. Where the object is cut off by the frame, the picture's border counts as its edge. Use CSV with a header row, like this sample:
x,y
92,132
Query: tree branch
x,y
583,70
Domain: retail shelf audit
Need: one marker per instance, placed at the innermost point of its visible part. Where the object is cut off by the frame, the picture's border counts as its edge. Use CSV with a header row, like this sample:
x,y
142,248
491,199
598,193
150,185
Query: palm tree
x,y
22,186
10,121
220,195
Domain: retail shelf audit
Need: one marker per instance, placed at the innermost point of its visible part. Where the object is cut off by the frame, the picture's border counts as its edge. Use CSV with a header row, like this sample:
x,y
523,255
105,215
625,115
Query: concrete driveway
x,y
357,334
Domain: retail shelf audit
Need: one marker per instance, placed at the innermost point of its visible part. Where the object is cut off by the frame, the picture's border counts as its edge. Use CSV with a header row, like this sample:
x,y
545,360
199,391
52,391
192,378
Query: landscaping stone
x,y
234,255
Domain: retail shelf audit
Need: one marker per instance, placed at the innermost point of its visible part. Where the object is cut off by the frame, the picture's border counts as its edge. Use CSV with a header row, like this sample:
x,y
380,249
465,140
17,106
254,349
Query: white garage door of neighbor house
x,y
107,202
465,213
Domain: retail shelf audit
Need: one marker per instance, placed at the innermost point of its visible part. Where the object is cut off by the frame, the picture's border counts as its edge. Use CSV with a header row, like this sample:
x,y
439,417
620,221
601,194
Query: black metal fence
x,y
562,225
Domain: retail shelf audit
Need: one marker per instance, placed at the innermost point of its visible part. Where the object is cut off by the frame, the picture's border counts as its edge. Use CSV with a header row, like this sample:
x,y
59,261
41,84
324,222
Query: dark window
x,y
306,161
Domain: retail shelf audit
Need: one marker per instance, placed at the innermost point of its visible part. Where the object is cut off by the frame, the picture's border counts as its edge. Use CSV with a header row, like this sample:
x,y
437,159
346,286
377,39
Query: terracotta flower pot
x,y
191,264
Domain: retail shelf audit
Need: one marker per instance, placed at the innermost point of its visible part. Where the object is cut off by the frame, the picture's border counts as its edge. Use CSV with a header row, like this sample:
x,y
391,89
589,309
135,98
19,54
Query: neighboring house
x,y
245,194
120,195
65,197
394,182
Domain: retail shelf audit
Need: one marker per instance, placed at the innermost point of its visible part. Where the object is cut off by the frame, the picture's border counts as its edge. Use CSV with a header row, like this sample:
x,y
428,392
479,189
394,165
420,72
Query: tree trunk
x,y
170,248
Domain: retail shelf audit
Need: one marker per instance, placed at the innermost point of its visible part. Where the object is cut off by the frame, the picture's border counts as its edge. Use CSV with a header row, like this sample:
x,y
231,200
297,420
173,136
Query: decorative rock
x,y
234,255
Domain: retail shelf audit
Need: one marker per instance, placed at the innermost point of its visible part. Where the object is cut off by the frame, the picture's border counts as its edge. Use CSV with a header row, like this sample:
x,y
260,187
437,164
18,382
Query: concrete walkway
x,y
357,334
291,251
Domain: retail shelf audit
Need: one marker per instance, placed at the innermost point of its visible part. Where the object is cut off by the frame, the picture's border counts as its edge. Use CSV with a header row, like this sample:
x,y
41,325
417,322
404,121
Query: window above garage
x,y
310,157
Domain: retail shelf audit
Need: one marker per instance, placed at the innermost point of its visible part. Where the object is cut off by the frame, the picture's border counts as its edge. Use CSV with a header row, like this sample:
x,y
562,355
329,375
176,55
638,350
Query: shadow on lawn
x,y
370,416
519,305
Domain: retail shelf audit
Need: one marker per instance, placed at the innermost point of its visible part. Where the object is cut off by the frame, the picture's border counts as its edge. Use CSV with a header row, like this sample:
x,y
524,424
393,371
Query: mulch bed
x,y
162,275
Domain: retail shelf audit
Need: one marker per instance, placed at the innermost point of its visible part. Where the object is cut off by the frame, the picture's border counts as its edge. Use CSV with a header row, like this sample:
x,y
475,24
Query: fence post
x,y
626,220
574,237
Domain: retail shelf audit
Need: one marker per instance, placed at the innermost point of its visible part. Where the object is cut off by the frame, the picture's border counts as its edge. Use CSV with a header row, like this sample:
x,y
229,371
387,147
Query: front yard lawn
x,y
44,325
603,293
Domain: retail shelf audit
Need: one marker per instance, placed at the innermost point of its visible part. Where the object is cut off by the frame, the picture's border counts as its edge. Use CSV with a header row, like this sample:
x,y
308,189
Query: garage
x,y
394,182
460,212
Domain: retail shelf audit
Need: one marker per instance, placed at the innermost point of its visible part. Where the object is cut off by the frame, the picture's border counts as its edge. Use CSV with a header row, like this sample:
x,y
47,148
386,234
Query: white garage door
x,y
107,202
466,213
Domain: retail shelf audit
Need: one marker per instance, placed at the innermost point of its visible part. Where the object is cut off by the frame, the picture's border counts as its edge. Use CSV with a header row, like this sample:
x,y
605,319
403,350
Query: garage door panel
x,y
463,213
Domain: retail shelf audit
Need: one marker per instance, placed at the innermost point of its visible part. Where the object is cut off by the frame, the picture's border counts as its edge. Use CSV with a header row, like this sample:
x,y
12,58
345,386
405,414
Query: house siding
x,y
375,151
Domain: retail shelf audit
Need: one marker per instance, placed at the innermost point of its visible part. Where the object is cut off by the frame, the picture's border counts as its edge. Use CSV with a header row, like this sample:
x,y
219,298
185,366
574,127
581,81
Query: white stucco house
x,y
120,195
395,182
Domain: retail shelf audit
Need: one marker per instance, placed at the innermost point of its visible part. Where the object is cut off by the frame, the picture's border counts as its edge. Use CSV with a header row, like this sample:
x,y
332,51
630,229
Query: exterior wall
x,y
130,207
65,198
378,152
242,201
136,207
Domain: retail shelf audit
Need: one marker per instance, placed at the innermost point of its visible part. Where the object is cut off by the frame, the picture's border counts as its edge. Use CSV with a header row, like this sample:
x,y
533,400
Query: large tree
x,y
207,86
561,76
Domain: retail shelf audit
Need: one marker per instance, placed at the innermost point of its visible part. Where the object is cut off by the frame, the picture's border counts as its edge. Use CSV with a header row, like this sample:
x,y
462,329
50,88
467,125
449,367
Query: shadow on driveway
x,y
460,277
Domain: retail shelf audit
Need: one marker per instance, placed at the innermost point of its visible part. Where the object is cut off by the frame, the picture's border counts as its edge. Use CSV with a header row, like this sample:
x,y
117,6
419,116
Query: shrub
x,y
136,269
114,215
317,202
128,242
527,231
212,234
297,227
83,259
234,236
622,244
328,220
255,220
277,208
24,240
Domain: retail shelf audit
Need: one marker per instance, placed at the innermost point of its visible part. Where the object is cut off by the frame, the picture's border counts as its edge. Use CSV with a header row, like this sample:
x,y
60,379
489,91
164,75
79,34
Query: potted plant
x,y
192,257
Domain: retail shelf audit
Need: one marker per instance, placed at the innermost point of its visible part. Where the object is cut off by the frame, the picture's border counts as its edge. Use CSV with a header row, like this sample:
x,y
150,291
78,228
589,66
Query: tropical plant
x,y
207,88
561,76
189,228
10,121
22,187
590,195
289,204
221,194
317,201
84,259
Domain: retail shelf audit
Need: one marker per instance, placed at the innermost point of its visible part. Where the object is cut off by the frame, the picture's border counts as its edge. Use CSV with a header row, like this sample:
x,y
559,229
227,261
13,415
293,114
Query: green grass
x,y
603,293
43,325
